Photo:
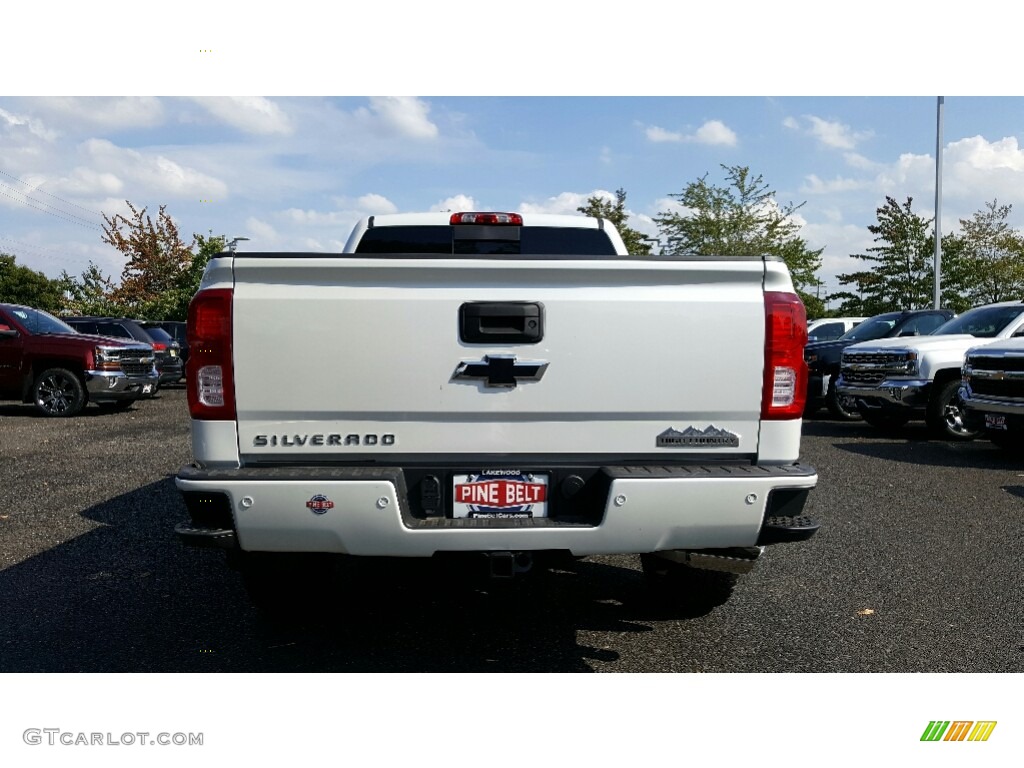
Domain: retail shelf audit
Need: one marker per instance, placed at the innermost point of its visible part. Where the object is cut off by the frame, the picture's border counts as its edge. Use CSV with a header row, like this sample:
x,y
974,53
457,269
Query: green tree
x,y
162,272
22,285
957,285
900,275
156,256
742,218
994,255
90,294
615,212
176,305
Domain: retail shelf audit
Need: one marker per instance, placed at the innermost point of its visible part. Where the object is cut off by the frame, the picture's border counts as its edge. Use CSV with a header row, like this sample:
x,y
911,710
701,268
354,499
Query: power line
x,y
29,245
37,189
49,206
22,199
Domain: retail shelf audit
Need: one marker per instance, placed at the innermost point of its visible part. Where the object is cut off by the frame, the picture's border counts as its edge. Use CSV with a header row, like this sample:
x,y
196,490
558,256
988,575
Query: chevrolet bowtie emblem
x,y
501,370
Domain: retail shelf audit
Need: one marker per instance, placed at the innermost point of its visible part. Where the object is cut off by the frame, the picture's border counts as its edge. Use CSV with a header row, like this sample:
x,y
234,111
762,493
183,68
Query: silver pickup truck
x,y
513,386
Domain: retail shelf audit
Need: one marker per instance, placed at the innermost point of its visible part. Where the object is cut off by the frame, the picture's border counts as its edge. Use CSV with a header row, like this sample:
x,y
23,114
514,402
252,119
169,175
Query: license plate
x,y
995,421
147,389
500,494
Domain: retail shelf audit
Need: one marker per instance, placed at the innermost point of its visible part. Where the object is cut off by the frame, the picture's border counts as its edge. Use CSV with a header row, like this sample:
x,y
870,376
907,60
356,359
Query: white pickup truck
x,y
514,386
897,379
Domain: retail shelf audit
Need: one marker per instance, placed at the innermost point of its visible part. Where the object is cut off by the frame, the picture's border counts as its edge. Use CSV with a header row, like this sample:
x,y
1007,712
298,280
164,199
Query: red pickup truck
x,y
46,362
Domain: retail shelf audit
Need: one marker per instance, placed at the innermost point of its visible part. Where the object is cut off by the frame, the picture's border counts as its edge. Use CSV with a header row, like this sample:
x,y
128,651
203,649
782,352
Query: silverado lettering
x,y
290,441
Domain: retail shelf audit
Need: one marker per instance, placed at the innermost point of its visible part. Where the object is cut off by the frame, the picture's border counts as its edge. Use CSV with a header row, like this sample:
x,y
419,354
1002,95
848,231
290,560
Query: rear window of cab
x,y
482,240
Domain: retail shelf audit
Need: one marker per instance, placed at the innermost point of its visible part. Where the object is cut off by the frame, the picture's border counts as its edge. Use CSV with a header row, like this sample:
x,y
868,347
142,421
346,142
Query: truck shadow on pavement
x,y
29,411
128,597
978,454
913,444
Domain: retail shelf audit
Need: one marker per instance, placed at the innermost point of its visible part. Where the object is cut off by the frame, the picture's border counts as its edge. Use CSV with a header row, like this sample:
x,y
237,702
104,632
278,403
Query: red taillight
x,y
159,346
513,219
785,372
209,375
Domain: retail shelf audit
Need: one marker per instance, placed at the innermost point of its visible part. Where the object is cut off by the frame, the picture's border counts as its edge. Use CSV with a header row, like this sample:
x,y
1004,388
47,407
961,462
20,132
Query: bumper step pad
x,y
779,530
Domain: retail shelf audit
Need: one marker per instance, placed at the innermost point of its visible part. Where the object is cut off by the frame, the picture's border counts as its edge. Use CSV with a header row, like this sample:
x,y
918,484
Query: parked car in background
x,y
47,362
828,328
895,380
176,328
169,366
823,357
173,369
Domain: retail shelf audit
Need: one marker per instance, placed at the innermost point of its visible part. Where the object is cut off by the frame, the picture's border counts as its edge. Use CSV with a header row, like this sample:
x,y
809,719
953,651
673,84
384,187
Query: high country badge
x,y
691,437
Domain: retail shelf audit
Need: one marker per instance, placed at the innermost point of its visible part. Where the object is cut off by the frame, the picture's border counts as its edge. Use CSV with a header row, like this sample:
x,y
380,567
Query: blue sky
x,y
294,173
294,169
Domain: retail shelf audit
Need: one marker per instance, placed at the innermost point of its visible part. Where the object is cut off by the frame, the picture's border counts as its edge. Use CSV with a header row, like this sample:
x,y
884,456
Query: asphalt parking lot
x,y
918,568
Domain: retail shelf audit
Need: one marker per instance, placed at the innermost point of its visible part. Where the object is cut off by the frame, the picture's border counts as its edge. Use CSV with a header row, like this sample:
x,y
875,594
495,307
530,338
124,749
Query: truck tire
x,y
844,408
58,392
945,415
694,591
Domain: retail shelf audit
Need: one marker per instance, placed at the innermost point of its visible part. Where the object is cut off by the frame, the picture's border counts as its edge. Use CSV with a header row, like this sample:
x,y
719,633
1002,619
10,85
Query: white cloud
x,y
375,204
402,115
348,212
456,203
829,133
860,162
713,132
34,126
717,133
566,202
300,216
980,154
814,185
252,114
975,170
87,182
106,112
262,233
605,156
152,174
657,134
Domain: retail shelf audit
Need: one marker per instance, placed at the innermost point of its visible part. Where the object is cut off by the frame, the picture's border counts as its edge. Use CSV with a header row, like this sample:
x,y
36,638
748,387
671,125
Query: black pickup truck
x,y
823,357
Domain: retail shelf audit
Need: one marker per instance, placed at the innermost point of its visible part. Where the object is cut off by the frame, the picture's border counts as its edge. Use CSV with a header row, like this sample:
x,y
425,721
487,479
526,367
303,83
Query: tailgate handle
x,y
487,322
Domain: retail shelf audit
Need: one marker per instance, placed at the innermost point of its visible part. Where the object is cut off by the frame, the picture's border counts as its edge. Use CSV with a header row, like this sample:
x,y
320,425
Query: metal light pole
x,y
938,204
233,245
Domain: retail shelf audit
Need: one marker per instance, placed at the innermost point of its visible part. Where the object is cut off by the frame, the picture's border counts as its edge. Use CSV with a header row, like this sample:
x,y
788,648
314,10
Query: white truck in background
x,y
894,380
515,386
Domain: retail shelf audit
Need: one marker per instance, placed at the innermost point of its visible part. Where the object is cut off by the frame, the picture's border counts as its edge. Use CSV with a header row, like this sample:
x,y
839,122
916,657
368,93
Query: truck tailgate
x,y
341,358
